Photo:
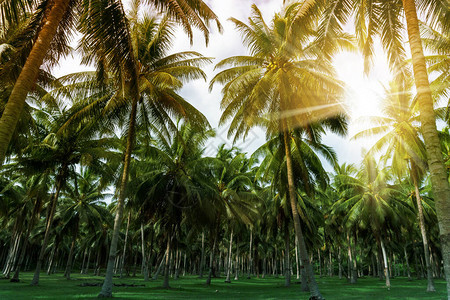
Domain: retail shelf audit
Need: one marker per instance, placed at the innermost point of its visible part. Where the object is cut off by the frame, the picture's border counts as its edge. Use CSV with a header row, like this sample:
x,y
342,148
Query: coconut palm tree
x,y
281,85
390,19
61,17
402,144
370,202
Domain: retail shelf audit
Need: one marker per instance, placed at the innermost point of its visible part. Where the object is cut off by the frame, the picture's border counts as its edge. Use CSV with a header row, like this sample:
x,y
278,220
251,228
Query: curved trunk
x,y
59,184
439,180
430,285
107,284
296,259
28,75
313,287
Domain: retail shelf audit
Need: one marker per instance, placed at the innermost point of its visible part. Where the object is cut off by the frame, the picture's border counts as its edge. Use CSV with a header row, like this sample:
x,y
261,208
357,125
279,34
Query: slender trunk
x,y
155,277
439,179
351,263
86,269
236,275
313,287
296,258
59,184
28,74
52,257
386,271
166,265
287,267
107,285
340,262
70,258
250,255
320,264
25,242
228,280
144,261
430,286
211,264
202,259
125,246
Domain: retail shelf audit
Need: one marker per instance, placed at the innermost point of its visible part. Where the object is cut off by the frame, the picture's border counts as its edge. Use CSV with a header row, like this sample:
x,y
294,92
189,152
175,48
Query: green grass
x,y
190,287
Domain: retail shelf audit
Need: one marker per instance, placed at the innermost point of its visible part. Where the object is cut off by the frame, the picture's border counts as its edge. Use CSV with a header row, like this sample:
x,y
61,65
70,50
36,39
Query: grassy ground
x,y
56,287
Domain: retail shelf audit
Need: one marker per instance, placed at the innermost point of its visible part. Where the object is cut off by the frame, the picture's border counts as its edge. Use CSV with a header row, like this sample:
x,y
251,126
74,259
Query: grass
x,y
191,287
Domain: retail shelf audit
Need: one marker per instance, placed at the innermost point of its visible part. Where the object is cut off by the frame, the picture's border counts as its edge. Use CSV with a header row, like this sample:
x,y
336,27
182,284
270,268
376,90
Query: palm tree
x,y
404,146
285,81
385,18
83,207
60,20
368,201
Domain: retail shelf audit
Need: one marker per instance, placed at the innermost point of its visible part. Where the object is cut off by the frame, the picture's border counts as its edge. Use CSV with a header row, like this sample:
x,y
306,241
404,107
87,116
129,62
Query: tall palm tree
x,y
284,83
58,17
402,143
387,19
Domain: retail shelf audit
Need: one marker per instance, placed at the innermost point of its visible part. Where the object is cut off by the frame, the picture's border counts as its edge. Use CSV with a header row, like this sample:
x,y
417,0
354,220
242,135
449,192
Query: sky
x,y
363,93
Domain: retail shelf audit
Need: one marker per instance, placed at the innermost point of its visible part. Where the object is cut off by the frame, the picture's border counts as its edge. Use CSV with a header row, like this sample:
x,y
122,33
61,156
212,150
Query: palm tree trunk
x,y
430,286
31,223
351,260
144,262
313,287
439,180
250,254
202,259
228,280
386,270
107,284
296,258
340,262
166,265
211,262
59,184
125,246
28,75
70,258
287,267
236,275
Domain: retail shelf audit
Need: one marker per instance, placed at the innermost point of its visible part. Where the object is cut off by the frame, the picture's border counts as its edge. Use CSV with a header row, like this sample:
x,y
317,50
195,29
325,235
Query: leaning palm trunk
x,y
439,180
313,287
29,72
59,184
407,263
107,284
70,258
430,286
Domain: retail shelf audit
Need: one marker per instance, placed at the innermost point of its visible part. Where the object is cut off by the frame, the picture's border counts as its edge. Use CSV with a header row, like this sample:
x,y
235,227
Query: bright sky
x,y
362,95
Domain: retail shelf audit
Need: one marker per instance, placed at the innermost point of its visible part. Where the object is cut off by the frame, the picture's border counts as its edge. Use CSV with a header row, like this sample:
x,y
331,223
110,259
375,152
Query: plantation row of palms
x,y
124,133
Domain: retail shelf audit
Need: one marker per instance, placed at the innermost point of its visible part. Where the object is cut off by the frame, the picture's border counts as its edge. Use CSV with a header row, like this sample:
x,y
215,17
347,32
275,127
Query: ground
x,y
190,287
